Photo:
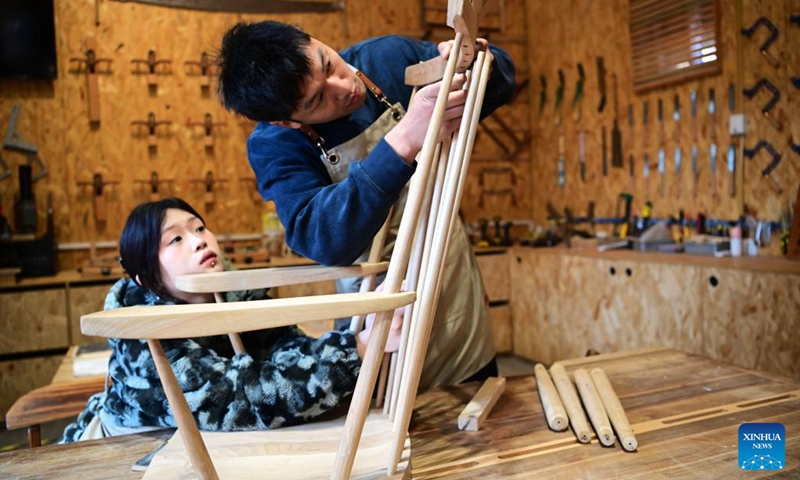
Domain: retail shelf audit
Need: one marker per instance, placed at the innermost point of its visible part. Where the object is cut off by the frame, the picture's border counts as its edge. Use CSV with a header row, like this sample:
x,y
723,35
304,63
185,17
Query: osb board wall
x,y
565,33
53,115
19,377
749,319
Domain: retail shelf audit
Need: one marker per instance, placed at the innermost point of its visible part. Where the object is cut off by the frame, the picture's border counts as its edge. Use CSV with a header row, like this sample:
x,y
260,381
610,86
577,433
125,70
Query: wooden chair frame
x,y
426,226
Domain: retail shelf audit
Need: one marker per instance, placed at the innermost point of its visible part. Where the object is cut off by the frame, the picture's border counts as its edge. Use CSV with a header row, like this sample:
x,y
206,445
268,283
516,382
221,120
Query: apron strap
x,y
318,141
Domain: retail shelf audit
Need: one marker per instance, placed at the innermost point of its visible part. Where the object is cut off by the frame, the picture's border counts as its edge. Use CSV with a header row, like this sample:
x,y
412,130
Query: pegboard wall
x,y
563,34
54,115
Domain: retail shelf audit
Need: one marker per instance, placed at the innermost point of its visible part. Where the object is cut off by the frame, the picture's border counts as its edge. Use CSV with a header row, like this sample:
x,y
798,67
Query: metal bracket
x,y
33,159
748,32
13,140
5,172
776,95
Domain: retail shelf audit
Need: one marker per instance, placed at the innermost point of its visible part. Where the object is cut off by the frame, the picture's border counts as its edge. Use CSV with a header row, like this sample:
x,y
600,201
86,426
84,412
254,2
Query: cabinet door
x,y
84,300
18,377
535,304
501,328
495,274
752,319
33,320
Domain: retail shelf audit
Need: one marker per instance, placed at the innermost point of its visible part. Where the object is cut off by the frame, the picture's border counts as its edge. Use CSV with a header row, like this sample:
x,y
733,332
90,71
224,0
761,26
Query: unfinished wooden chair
x,y
367,443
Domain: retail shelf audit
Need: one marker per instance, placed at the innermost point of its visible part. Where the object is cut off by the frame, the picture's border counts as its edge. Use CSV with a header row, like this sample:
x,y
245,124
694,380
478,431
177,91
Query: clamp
x,y
766,111
767,171
748,32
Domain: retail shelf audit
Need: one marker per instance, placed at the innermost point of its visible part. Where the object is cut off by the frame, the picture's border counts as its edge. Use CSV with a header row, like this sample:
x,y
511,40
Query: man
x,y
335,154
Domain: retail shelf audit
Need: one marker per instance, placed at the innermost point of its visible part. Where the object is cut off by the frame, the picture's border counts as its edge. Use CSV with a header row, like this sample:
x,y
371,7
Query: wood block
x,y
476,411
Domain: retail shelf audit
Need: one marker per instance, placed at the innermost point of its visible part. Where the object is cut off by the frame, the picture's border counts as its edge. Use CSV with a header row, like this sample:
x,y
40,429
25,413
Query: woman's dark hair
x,y
262,68
141,239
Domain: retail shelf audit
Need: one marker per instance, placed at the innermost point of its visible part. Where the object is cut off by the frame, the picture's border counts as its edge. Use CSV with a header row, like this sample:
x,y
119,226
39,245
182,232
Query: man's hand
x,y
408,136
396,329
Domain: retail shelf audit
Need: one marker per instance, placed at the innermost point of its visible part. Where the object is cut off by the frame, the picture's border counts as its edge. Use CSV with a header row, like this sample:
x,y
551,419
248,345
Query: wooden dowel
x,y
571,402
195,448
236,340
614,409
594,406
390,385
382,380
368,282
551,403
476,411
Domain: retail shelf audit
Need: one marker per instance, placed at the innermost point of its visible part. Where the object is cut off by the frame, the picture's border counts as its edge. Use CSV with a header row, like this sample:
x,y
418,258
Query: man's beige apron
x,y
461,339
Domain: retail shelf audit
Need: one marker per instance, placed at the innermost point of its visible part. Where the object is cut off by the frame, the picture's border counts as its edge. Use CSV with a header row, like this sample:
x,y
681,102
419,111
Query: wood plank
x,y
193,320
476,411
272,277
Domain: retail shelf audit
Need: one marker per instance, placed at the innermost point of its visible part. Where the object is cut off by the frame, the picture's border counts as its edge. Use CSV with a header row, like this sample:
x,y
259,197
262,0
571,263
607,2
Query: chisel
x,y
646,175
582,153
562,168
732,146
661,153
605,157
617,161
695,166
676,115
559,97
631,167
712,114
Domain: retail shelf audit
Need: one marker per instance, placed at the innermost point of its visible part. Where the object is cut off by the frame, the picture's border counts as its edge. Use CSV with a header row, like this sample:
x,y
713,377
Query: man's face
x,y
331,91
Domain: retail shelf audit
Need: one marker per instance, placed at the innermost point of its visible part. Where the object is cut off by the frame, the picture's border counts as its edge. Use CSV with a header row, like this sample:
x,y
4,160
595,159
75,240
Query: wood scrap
x,y
614,410
569,397
476,411
594,407
551,403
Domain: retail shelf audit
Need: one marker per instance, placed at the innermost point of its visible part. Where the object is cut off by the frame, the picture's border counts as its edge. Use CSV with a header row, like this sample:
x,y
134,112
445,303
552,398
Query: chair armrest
x,y
272,277
207,319
53,402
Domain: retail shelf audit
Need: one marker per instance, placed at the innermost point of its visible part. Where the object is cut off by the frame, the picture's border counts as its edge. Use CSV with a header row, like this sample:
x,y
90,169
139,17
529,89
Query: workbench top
x,y
684,409
588,249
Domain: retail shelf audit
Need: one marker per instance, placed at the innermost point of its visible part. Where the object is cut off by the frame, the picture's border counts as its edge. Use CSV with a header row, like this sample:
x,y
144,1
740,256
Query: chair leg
x,y
198,453
34,436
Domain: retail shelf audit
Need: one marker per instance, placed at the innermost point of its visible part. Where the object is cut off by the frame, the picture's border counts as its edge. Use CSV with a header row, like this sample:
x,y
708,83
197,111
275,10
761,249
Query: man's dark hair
x,y
140,241
262,68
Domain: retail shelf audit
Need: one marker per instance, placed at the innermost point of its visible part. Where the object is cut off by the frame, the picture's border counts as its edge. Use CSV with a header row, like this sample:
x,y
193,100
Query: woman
x,y
285,377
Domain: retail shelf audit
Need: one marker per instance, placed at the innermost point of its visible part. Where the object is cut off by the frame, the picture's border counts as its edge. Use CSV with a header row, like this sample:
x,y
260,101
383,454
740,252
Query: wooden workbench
x,y
702,401
684,409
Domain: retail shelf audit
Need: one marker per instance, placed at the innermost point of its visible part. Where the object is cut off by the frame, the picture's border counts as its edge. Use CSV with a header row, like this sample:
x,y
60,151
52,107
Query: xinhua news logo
x,y
762,446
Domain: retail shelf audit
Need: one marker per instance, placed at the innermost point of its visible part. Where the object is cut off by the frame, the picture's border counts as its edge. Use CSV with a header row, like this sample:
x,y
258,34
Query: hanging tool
x,y
631,173
676,115
577,100
773,35
645,120
731,145
562,168
767,171
712,151
601,80
152,67
627,200
97,183
5,171
151,125
14,141
252,6
646,175
631,167
582,153
208,126
604,154
542,98
91,62
209,182
559,96
616,135
695,166
204,69
662,140
153,182
767,110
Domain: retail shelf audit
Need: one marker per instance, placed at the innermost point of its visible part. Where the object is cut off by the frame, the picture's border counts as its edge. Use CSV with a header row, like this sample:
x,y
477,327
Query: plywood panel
x,y
502,332
83,300
18,377
780,345
494,271
33,320
565,33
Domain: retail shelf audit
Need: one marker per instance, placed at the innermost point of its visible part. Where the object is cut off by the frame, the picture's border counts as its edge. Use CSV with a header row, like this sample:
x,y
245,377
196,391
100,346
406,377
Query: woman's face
x,y
187,247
